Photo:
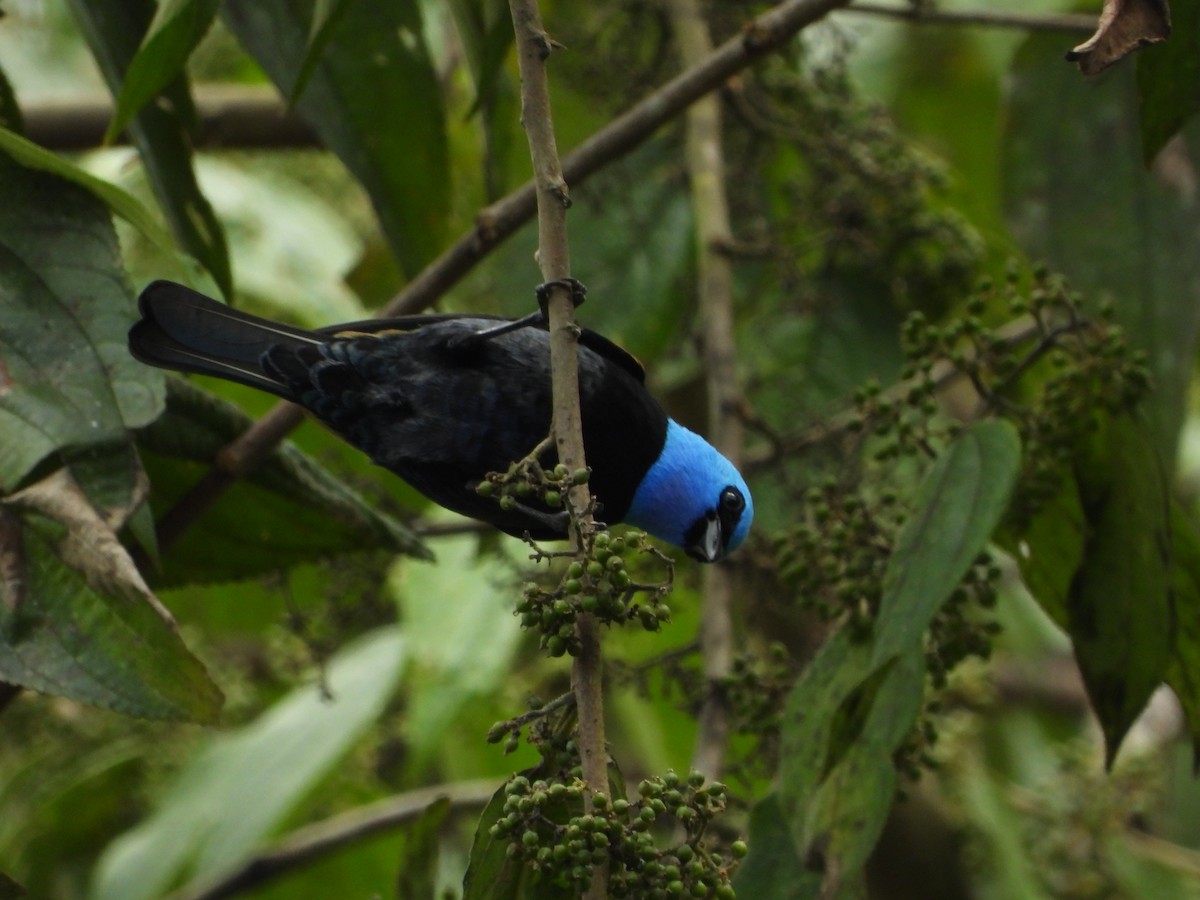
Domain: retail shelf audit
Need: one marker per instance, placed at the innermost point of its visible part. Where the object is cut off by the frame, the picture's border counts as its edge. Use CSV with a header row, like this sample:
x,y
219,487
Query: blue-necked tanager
x,y
442,400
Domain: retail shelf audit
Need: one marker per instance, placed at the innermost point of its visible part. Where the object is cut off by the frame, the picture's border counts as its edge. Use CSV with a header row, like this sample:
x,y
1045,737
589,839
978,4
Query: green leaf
x,y
119,202
235,793
161,131
1168,80
772,870
60,636
289,510
1184,673
10,110
843,721
177,28
417,859
494,875
1120,608
1078,196
958,506
374,99
1049,549
65,306
326,14
462,658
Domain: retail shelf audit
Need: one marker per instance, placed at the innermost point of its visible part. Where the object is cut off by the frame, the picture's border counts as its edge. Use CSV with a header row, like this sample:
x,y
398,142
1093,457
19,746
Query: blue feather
x,y
684,486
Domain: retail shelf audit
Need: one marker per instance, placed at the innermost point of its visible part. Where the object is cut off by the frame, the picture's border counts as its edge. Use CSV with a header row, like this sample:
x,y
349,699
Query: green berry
x,y
739,849
552,498
485,489
508,502
581,476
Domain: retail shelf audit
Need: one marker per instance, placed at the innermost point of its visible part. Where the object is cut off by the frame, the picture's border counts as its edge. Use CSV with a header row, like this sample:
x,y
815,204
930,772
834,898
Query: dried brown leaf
x,y
89,543
1125,25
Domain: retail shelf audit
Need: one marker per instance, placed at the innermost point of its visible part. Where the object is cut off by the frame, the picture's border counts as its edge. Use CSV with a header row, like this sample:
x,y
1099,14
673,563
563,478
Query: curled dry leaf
x,y
1125,25
89,543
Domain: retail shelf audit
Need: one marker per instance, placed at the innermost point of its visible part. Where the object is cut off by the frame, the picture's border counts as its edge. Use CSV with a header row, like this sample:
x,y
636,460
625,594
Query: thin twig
x,y
924,13
312,842
497,222
705,157
533,49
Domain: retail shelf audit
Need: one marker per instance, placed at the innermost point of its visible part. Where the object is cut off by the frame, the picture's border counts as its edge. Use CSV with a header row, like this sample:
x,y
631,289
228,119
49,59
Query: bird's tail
x,y
187,331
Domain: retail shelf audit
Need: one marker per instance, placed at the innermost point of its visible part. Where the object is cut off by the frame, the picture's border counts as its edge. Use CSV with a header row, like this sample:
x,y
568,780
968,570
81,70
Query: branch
x,y
497,222
226,116
306,845
705,158
533,49
923,13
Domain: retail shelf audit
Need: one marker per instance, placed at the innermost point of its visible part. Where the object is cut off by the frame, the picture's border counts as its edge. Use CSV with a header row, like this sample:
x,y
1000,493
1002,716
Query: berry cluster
x,y
526,480
597,581
548,831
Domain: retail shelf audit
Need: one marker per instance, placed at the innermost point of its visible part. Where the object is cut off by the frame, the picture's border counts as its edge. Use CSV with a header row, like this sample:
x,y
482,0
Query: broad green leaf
x,y
1078,196
161,131
326,14
958,506
1168,80
1184,673
237,791
289,510
461,657
1120,607
1049,549
68,380
494,875
843,721
118,201
62,637
176,29
374,99
772,870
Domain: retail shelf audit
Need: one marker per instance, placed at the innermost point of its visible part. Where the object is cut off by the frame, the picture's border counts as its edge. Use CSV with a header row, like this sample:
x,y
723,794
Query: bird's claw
x,y
542,292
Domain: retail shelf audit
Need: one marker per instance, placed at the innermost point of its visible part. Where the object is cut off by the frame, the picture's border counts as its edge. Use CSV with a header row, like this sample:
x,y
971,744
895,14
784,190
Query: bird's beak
x,y
709,542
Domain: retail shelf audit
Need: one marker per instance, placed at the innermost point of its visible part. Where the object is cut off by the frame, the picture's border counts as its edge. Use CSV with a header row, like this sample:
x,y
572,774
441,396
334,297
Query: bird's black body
x,y
423,396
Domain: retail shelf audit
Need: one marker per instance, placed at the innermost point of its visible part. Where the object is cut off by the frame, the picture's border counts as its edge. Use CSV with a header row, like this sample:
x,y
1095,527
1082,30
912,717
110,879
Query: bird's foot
x,y
542,292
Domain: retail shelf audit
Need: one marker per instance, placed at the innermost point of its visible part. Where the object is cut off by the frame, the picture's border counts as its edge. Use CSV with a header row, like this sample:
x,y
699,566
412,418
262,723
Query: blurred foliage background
x,y
364,642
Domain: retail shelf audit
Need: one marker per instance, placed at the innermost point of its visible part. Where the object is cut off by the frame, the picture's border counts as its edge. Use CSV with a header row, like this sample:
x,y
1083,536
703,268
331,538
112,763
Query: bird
x,y
442,400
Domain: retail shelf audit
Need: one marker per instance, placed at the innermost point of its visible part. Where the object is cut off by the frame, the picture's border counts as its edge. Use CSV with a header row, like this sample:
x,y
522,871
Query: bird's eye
x,y
732,500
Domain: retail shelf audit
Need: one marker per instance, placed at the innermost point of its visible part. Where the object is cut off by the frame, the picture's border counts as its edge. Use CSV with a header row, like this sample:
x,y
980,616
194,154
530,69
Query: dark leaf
x,y
1168,80
1049,549
9,889
1078,196
1184,673
958,506
66,379
289,510
176,29
1120,608
1125,25
161,131
417,861
374,99
326,14
10,111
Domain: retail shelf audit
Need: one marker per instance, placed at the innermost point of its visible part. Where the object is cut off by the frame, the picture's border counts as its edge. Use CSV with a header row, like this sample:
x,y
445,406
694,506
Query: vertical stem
x,y
706,172
533,48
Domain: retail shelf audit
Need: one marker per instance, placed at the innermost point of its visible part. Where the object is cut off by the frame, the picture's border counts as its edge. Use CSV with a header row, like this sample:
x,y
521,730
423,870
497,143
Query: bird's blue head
x,y
693,497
